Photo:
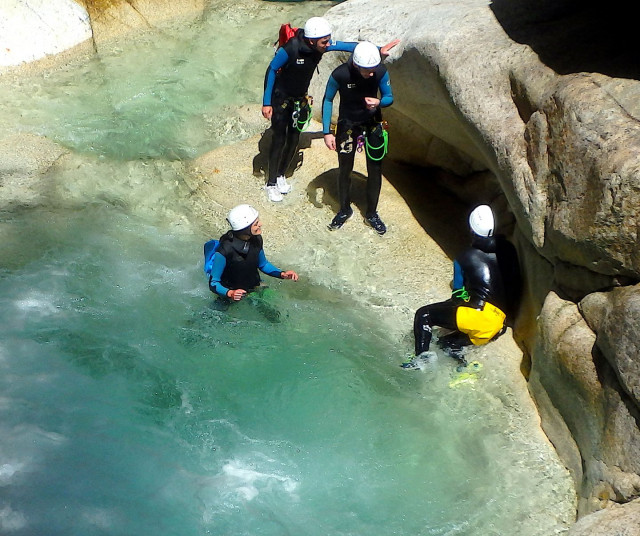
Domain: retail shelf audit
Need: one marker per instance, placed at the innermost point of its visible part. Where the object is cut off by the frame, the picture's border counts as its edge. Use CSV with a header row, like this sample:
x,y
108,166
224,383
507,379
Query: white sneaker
x,y
283,186
273,193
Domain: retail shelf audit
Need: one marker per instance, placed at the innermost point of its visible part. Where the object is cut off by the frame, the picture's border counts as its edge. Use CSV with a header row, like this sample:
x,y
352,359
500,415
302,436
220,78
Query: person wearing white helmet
x,y
364,88
486,289
240,255
285,101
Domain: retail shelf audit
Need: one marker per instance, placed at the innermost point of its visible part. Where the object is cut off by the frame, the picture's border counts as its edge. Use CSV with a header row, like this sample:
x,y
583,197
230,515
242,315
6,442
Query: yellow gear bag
x,y
480,325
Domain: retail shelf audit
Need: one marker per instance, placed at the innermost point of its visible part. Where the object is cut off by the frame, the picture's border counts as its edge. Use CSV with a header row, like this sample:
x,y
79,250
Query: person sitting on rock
x,y
364,87
240,255
285,101
486,288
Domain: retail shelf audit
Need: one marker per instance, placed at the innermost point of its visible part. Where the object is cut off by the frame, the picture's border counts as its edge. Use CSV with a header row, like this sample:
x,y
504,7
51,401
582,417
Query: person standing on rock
x,y
285,101
364,88
234,266
486,290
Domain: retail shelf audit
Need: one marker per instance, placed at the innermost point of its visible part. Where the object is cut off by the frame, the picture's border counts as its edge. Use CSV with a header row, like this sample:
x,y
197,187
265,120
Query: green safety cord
x,y
384,145
296,112
461,293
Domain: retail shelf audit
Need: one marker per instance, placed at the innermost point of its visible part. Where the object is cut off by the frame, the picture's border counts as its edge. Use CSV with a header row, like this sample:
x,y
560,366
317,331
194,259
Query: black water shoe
x,y
377,224
339,219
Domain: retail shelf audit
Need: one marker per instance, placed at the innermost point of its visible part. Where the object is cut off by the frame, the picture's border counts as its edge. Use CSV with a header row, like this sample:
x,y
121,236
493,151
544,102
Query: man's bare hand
x,y
330,141
384,51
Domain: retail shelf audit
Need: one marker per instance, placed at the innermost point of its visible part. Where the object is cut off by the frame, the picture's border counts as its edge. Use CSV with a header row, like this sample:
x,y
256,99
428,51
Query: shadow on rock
x,y
323,191
261,160
442,215
572,36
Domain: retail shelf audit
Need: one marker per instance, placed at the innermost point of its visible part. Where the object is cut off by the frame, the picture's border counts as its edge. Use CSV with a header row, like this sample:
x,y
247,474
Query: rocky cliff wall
x,y
534,107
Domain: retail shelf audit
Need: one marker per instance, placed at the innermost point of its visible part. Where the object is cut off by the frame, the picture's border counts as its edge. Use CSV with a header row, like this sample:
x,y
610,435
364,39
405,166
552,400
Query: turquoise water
x,y
169,94
131,403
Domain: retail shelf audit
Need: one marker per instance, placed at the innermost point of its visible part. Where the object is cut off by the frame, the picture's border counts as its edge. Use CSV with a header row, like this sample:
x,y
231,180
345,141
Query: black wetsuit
x,y
355,120
241,270
490,273
286,84
236,264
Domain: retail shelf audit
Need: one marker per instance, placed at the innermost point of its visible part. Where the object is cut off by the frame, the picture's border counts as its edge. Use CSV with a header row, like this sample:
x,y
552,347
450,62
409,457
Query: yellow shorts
x,y
480,326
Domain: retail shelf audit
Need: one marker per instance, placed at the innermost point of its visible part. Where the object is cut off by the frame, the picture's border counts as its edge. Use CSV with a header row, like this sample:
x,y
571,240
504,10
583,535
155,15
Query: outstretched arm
x,y
349,46
342,46
266,267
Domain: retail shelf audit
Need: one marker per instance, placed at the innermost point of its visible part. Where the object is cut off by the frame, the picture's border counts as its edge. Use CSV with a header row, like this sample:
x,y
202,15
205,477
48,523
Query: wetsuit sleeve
x,y
279,60
219,263
266,267
327,104
342,46
386,95
458,276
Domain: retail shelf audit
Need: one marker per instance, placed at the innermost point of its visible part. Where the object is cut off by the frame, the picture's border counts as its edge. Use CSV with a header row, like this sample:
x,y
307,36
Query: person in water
x,y
486,289
285,101
240,256
364,87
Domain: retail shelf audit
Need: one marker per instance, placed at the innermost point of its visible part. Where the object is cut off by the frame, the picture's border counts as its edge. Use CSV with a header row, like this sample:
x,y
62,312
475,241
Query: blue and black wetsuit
x,y
236,264
490,274
286,84
354,120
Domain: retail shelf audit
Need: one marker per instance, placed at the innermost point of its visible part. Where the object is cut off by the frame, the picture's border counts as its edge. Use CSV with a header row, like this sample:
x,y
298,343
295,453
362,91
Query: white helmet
x,y
366,55
481,221
317,27
241,217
